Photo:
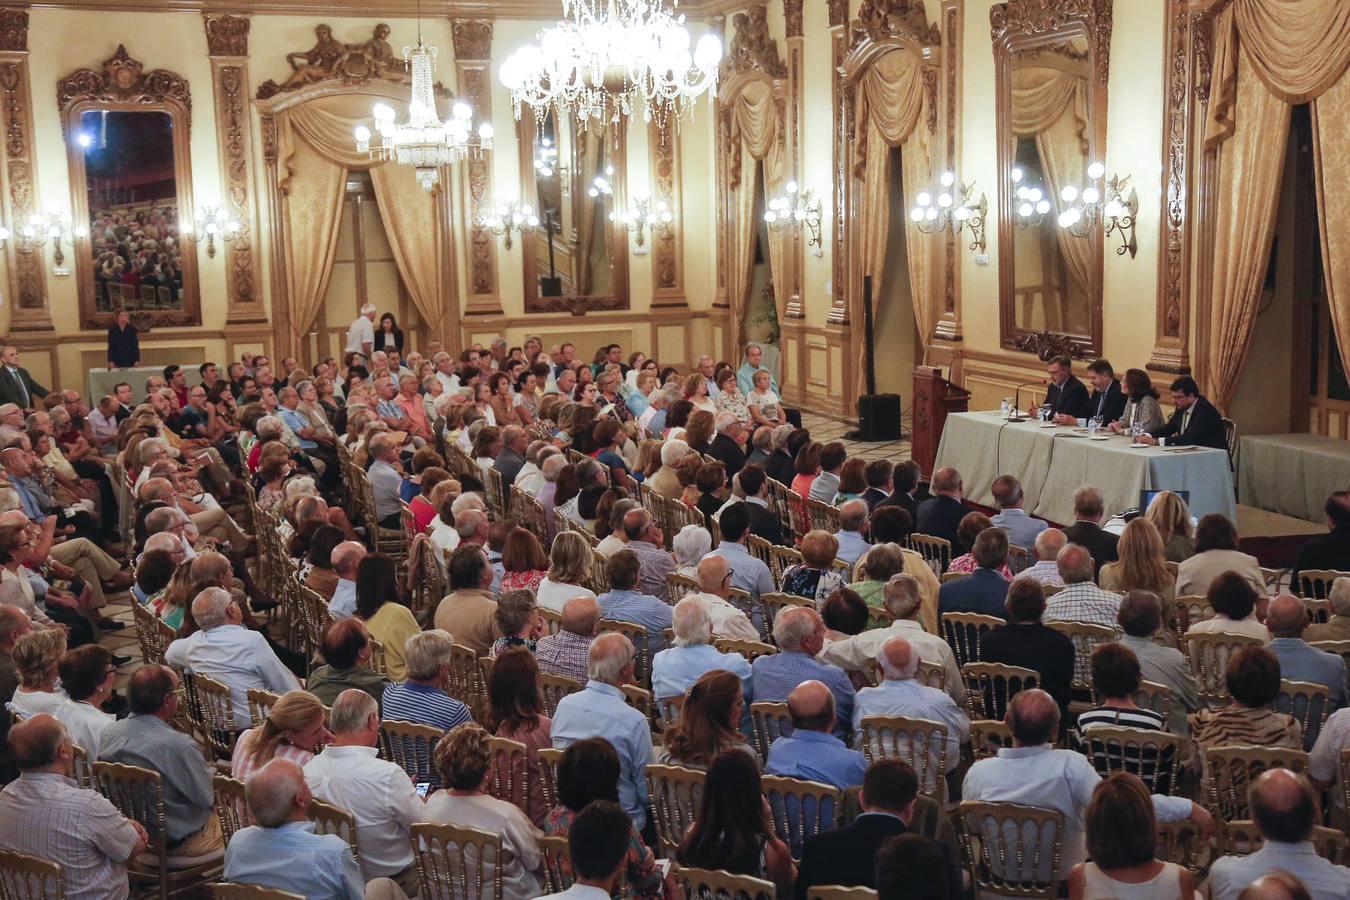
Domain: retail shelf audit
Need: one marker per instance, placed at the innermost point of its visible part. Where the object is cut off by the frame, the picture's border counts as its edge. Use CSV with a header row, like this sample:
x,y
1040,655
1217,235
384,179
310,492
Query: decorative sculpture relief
x,y
472,38
1036,17
895,18
792,17
19,170
752,47
227,35
371,60
838,12
1047,345
14,30
123,81
666,266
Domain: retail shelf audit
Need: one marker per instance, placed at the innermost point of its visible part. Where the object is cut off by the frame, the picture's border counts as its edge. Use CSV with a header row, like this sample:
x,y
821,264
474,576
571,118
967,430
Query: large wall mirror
x,y
131,186
573,177
1051,122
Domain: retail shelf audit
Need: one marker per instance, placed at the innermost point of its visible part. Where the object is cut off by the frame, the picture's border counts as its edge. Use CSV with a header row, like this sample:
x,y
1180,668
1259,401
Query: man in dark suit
x,y
781,464
1066,396
1331,550
16,385
904,485
764,522
847,856
879,477
941,513
726,444
1107,400
122,391
1086,531
1028,643
984,590
1195,423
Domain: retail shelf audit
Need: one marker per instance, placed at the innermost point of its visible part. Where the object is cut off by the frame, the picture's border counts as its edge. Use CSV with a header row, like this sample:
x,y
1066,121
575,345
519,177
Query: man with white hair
x,y
230,653
665,480
1081,600
346,557
853,520
1046,570
601,711
900,695
550,468
361,334
173,521
443,534
903,601
386,480
445,372
800,635
1337,627
530,478
281,850
676,669
350,775
707,367
714,582
726,444
213,522
653,418
643,539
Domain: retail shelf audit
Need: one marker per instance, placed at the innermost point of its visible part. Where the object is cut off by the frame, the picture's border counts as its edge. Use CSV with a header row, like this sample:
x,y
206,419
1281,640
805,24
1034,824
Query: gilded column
x,y
473,52
948,327
27,283
839,40
227,44
796,44
667,243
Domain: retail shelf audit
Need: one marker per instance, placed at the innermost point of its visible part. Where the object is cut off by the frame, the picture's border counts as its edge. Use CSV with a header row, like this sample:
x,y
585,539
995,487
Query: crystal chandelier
x,y
423,141
604,62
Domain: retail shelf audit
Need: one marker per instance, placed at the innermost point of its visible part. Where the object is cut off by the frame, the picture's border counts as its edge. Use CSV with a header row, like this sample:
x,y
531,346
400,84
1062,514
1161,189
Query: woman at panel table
x,y
1141,404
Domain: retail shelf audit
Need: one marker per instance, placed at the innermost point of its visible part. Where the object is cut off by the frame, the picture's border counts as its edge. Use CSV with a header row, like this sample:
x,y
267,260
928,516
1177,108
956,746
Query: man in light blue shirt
x,y
825,486
900,695
675,670
600,711
810,751
627,604
800,634
1299,660
288,400
1285,809
1022,529
386,482
282,851
346,557
853,522
745,375
749,573
1033,773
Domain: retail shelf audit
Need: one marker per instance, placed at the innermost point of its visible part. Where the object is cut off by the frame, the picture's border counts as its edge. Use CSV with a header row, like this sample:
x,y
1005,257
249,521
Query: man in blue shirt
x,y
1022,529
749,573
627,604
800,633
282,851
675,670
422,698
811,751
288,400
1299,660
745,375
852,525
600,711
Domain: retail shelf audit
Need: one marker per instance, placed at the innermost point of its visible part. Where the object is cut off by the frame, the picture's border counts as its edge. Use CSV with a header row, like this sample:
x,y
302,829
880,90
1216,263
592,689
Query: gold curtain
x,y
591,146
316,149
1251,163
755,125
889,106
1331,154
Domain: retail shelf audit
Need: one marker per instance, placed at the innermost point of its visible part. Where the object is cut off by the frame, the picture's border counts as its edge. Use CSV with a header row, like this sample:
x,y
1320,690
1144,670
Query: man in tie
x,y
1196,423
1066,395
1107,401
16,385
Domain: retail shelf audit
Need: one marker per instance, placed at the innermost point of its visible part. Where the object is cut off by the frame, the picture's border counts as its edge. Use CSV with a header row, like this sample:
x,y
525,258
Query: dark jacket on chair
x,y
1101,544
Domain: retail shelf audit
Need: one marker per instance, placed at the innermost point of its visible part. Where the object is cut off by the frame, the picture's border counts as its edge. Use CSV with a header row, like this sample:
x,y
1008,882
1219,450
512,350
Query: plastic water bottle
x,y
1092,427
1003,408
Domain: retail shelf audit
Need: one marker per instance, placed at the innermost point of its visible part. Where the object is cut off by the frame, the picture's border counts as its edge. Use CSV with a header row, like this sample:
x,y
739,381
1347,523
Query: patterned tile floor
x,y
825,430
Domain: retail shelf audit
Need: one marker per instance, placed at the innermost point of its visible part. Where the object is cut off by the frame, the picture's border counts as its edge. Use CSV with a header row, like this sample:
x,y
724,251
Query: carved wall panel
x,y
473,49
839,44
27,283
949,318
667,244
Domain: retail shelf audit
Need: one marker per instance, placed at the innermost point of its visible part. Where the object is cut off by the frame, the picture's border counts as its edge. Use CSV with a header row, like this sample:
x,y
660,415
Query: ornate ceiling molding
x,y
752,47
472,37
123,81
1036,18
500,9
882,19
226,35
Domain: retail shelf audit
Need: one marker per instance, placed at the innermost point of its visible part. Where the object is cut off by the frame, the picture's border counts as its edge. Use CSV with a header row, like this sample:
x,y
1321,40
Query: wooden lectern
x,y
934,398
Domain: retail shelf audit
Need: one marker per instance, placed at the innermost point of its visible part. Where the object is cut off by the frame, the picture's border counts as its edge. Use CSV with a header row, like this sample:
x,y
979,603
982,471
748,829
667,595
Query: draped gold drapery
x,y
591,147
890,103
755,126
1269,54
316,149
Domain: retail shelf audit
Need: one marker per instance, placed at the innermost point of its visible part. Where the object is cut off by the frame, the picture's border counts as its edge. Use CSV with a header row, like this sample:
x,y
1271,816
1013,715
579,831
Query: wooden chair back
x,y
1085,637
410,746
1012,850
1019,559
770,605
679,586
716,884
331,819
839,892
990,686
24,877
260,703
1228,771
212,711
922,743
1243,837
962,632
231,805
455,862
1308,703
800,808
1151,695
949,577
936,551
1316,582
751,650
769,720
824,516
151,633
670,709
1155,756
547,772
557,867
640,699
1208,655
555,687
509,778
465,680
987,736
676,793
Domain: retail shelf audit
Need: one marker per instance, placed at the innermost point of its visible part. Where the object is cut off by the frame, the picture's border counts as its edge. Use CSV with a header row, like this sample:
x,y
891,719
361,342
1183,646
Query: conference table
x,y
1292,474
1053,462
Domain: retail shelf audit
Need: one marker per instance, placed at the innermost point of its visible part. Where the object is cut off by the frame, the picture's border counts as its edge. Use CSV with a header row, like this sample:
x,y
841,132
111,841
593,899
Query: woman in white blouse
x,y
765,407
569,566
696,392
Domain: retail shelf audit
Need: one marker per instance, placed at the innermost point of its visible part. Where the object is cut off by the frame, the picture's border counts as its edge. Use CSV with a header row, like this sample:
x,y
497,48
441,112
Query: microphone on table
x,y
1017,406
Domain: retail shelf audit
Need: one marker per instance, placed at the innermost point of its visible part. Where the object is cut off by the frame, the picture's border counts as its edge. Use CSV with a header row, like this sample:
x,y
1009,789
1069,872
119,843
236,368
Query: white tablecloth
x,y
102,381
1292,474
1052,463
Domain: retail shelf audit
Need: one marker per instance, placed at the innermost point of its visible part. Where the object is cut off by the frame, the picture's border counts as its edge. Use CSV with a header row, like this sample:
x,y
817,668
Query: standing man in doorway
x,y
361,336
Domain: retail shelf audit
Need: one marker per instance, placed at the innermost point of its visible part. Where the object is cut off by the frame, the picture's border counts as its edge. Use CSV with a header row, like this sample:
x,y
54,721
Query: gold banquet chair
x,y
1208,655
675,796
24,877
1229,771
801,809
717,884
920,742
331,819
411,746
456,862
547,770
231,805
839,892
990,686
963,631
769,720
1012,850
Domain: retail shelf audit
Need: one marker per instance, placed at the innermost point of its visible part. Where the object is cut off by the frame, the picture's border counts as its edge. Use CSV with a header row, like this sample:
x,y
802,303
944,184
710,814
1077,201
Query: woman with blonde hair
x,y
172,603
294,729
36,655
1142,565
709,723
569,568
1170,515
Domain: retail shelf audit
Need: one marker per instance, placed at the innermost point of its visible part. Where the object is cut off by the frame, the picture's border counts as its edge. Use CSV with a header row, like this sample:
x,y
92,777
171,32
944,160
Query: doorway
x,y
895,332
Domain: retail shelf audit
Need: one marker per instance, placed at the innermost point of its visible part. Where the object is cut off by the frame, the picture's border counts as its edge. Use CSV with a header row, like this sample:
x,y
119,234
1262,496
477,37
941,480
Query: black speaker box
x,y
879,417
550,287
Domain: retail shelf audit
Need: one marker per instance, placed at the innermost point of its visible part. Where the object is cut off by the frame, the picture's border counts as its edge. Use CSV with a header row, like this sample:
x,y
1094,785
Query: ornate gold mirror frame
x,y
122,86
1026,27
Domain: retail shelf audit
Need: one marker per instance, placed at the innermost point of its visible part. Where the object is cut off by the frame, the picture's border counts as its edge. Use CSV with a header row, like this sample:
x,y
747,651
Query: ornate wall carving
x,y
14,30
123,80
472,38
838,12
792,17
329,58
839,44
473,49
1035,17
949,319
891,18
226,35
752,47
27,283
667,266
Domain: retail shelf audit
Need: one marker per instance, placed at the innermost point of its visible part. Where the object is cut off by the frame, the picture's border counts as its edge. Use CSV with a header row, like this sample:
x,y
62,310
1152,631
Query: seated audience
x,y
1115,680
646,543
464,761
146,738
1120,826
609,525
515,711
345,649
1046,568
984,589
1141,564
748,572
845,615
1330,550
1170,515
1081,600
1141,619
714,576
882,563
346,559
813,578
385,618
37,657
1022,528
853,522
1287,619
1337,626
601,711
825,486
422,698
914,867
321,576
732,830
899,694
709,723
569,568
1234,601
1252,677
597,844
565,653
469,611
972,524
1089,508
627,603
764,520
677,668
799,633
350,775
810,751
87,677
1285,809
293,730
1216,552
45,814
1028,642
266,854
941,514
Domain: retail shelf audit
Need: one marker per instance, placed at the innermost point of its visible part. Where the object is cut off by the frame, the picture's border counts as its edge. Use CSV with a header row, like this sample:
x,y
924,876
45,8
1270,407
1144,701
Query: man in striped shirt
x,y
422,698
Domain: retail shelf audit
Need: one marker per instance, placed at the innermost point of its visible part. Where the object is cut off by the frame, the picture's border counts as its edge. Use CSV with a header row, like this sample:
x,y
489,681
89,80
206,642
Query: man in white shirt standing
x,y
350,775
361,336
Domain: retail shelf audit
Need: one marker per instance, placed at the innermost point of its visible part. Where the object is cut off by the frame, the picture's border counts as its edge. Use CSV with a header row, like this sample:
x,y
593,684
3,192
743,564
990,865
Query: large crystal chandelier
x,y
604,61
423,141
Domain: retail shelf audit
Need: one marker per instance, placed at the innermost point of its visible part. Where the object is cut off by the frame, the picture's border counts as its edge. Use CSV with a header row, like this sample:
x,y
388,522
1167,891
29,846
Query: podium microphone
x,y
1016,414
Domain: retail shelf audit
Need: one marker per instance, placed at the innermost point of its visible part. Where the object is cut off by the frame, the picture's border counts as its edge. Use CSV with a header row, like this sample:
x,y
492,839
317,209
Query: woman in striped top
x,y
1116,678
1253,679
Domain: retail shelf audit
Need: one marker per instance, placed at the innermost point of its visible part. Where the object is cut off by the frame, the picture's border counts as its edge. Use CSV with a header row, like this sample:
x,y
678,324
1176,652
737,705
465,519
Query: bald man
x,y
941,514
1285,809
45,814
811,751
714,582
1033,773
346,557
900,695
1299,661
565,653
